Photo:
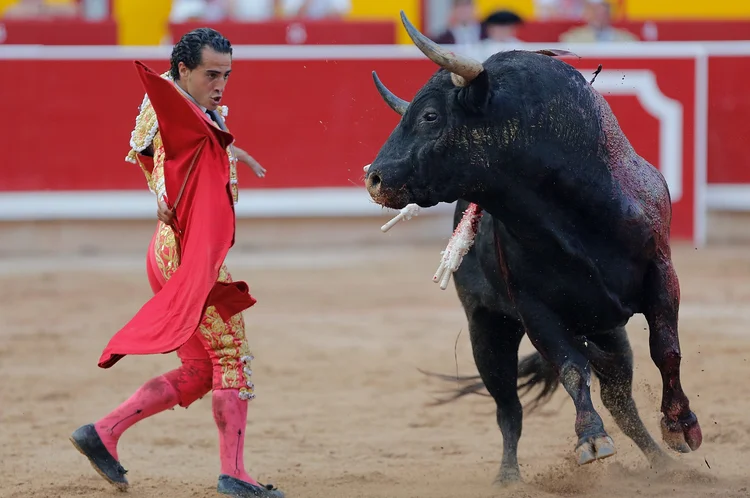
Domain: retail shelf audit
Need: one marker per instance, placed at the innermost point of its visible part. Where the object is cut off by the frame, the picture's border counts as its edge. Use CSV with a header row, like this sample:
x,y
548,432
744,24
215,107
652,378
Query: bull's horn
x,y
395,103
464,68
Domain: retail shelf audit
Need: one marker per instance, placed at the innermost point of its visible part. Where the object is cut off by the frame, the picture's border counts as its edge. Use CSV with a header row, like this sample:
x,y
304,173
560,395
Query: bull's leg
x,y
679,425
616,379
555,343
495,340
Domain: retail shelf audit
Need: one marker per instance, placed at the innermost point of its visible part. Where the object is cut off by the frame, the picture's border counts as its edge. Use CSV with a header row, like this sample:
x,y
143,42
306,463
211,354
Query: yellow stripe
x,y
4,4
687,9
388,10
141,22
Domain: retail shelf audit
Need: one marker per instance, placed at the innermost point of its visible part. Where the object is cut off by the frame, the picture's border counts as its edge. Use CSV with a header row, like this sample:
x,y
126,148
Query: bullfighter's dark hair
x,y
188,49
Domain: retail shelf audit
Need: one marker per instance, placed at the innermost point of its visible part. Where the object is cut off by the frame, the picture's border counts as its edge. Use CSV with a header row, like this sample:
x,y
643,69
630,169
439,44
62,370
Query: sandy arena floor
x,y
338,334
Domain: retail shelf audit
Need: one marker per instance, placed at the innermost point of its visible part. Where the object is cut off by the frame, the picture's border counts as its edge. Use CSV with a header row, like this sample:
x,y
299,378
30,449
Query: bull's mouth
x,y
401,198
398,194
392,200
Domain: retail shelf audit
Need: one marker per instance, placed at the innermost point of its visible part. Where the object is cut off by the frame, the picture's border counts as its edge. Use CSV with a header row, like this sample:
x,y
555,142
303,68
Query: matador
x,y
189,160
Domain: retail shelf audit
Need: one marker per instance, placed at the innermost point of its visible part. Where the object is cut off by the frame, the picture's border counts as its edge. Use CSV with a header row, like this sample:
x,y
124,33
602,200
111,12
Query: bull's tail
x,y
533,372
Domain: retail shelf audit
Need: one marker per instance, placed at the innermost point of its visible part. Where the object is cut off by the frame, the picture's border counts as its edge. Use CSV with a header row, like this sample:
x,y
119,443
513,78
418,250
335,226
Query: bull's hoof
x,y
508,476
595,448
236,488
682,435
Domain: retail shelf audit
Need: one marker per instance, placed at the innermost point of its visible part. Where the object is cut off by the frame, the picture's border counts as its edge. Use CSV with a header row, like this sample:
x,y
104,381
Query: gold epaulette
x,y
146,127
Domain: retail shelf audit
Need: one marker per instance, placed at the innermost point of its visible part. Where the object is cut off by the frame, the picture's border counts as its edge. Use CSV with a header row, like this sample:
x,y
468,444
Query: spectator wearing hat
x,y
501,27
598,26
464,27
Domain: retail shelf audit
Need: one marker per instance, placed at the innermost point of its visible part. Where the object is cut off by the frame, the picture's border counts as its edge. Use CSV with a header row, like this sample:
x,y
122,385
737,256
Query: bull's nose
x,y
373,183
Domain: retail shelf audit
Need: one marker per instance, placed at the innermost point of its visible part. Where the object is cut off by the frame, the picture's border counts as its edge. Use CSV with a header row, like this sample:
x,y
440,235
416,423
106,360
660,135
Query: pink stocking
x,y
153,397
230,414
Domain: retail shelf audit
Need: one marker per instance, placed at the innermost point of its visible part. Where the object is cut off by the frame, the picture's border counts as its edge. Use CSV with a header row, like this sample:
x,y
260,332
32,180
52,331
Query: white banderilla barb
x,y
458,245
409,211
405,214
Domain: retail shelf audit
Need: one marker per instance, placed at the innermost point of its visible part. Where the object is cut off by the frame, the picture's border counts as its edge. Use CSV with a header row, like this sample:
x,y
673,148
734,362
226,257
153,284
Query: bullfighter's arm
x,y
246,158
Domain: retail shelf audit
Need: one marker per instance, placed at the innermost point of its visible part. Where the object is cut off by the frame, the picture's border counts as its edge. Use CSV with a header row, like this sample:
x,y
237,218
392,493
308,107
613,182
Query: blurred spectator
x,y
198,10
501,27
254,10
464,27
546,10
94,10
598,27
318,9
41,9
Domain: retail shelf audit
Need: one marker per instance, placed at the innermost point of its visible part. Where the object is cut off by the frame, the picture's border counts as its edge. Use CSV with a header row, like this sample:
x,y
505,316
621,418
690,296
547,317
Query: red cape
x,y
205,215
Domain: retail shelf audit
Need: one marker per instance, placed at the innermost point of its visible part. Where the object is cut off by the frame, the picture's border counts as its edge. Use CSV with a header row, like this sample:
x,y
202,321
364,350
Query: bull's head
x,y
438,151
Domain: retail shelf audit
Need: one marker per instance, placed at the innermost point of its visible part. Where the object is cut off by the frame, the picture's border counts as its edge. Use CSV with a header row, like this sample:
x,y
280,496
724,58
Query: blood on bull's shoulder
x,y
573,240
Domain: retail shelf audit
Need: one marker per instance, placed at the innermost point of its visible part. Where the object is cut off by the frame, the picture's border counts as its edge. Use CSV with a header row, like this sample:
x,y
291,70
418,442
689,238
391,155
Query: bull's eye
x,y
430,116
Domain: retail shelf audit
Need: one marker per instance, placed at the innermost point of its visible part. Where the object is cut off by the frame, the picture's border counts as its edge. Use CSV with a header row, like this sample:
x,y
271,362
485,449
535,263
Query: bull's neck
x,y
529,207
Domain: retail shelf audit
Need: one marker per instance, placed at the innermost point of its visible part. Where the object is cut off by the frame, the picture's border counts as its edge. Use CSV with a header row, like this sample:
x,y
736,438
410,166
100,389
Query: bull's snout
x,y
384,188
373,183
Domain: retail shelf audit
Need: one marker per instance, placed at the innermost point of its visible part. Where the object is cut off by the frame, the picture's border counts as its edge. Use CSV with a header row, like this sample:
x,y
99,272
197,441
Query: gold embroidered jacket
x,y
145,137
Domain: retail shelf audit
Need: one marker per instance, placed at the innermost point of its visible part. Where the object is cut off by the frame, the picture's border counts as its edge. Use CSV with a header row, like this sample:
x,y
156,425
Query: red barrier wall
x,y
57,32
296,32
312,116
728,119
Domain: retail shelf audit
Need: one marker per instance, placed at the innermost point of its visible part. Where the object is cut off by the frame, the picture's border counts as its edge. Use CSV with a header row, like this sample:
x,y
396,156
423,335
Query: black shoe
x,y
229,485
87,441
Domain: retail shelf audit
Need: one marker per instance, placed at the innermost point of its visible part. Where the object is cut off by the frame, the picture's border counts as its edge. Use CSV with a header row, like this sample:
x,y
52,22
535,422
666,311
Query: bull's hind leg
x,y
616,379
495,340
679,425
554,342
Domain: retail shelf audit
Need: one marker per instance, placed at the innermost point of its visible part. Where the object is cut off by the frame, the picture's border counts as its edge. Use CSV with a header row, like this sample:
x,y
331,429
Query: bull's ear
x,y
476,96
556,52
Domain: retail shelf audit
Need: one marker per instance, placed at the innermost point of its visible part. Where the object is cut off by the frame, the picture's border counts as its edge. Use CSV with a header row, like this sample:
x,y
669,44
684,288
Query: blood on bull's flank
x,y
568,239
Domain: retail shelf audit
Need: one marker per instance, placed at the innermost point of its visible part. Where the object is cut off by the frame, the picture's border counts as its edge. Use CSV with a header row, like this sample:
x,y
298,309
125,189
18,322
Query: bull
x,y
573,239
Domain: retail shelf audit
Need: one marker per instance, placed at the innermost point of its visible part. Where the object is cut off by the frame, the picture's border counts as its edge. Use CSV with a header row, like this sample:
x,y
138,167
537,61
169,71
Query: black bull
x,y
574,239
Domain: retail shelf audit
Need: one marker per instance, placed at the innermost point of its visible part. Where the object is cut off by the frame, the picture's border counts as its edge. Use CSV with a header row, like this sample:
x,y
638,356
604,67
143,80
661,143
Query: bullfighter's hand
x,y
164,214
246,158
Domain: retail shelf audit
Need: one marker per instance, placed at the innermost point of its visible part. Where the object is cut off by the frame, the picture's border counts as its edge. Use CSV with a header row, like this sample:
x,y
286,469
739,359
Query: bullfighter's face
x,y
206,83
